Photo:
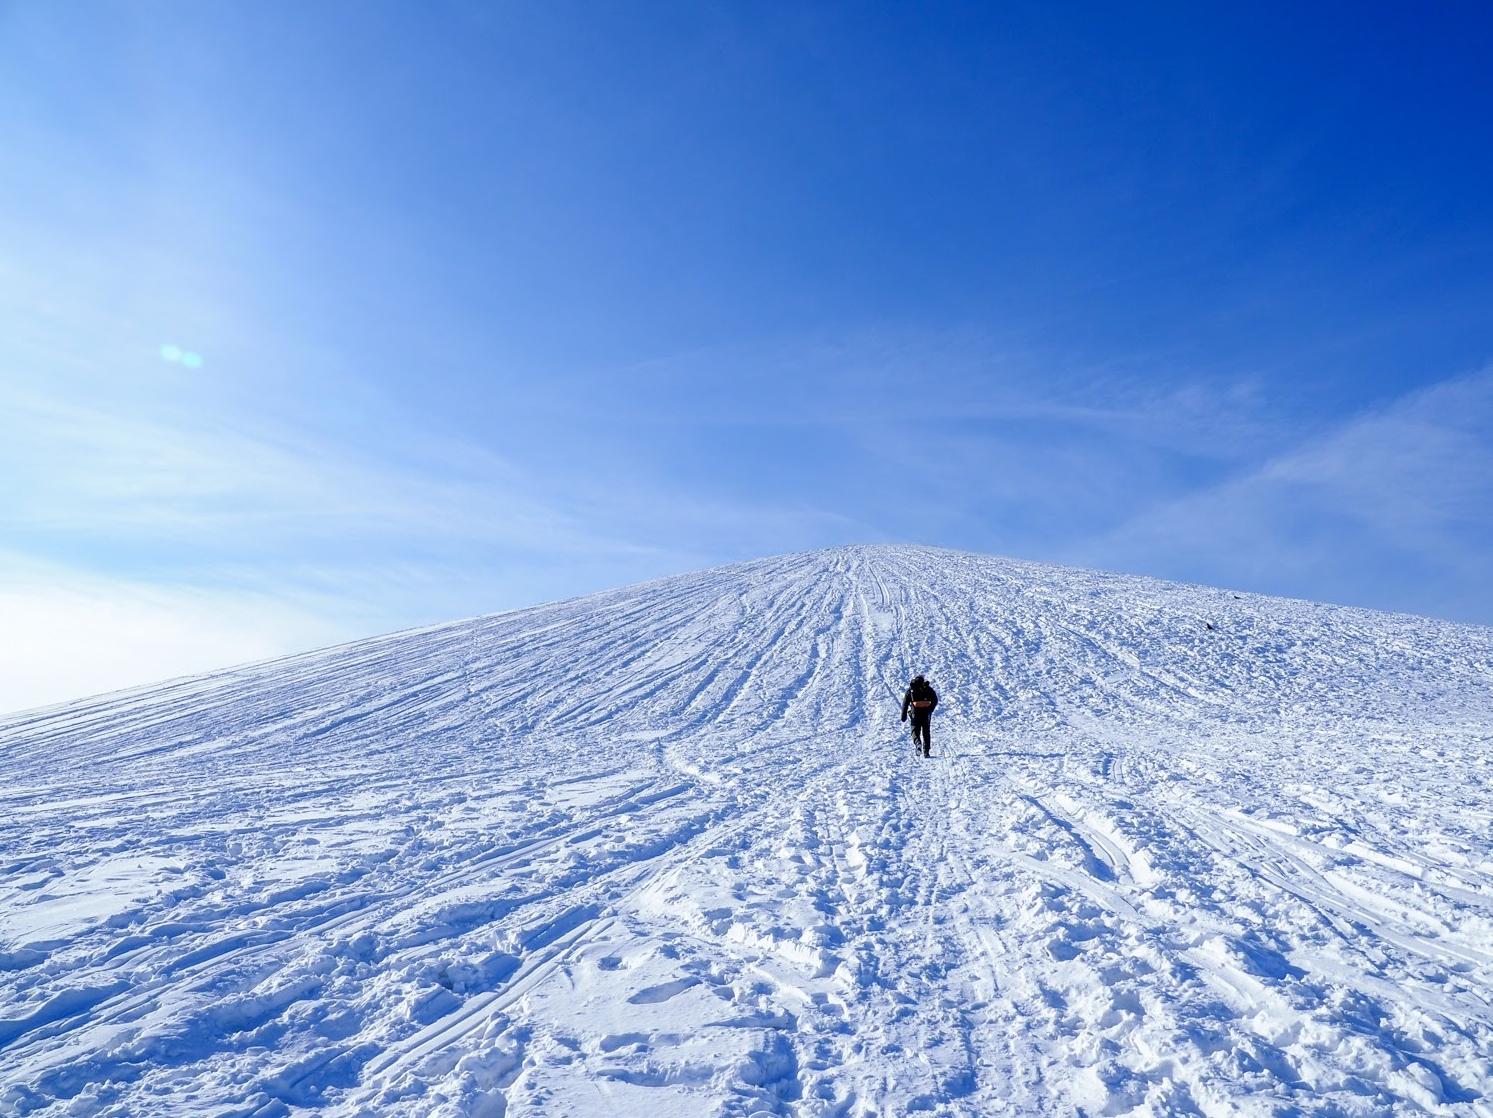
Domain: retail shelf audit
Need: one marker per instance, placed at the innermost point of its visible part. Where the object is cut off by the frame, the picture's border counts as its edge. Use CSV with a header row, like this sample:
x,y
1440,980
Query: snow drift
x,y
666,851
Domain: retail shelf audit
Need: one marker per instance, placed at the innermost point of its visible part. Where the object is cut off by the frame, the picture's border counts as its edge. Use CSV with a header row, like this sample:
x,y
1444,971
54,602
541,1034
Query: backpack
x,y
921,691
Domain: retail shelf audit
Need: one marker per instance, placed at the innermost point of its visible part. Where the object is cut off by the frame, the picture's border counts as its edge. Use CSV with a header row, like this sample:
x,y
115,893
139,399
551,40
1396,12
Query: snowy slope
x,y
666,851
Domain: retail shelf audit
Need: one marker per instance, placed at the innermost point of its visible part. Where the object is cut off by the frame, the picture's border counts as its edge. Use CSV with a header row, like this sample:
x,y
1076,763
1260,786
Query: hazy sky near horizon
x,y
322,320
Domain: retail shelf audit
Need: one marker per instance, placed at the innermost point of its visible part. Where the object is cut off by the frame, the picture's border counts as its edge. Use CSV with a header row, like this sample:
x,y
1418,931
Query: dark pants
x,y
922,729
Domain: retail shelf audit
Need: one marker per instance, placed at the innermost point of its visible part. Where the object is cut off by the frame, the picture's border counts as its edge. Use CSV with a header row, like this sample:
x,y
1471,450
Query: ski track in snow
x,y
667,851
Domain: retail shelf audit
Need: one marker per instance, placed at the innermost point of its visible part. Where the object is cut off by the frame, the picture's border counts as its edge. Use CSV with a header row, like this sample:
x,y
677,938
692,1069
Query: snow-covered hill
x,y
666,851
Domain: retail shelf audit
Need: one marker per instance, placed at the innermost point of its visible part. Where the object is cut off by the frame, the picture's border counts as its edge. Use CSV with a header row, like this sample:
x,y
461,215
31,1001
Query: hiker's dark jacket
x,y
920,699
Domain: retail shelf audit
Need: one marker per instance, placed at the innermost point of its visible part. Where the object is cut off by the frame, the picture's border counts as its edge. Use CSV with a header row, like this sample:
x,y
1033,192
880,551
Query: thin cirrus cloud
x,y
1387,509
146,541
143,543
193,475
219,483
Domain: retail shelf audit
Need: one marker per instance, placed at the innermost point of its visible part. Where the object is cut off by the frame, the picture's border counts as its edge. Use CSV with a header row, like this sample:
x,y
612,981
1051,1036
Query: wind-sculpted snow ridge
x,y
667,851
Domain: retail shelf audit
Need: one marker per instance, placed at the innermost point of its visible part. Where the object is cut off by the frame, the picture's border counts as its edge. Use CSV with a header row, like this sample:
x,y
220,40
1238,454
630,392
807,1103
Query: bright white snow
x,y
666,851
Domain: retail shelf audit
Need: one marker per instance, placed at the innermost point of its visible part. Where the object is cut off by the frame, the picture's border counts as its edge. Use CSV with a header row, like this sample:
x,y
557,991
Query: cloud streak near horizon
x,y
1389,508
183,537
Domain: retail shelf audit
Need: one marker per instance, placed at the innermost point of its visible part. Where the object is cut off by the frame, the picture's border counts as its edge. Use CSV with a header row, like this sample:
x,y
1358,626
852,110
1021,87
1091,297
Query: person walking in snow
x,y
920,701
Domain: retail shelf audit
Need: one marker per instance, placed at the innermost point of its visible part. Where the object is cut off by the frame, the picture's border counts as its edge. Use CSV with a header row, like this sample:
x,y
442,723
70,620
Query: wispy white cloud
x,y
78,465
176,523
888,375
153,532
1390,508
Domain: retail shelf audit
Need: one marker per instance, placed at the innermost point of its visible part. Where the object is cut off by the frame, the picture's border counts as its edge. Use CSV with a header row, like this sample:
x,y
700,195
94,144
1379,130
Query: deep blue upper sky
x,y
500,303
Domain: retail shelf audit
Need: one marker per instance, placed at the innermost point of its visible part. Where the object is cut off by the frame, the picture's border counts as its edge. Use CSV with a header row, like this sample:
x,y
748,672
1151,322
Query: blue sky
x,y
499,303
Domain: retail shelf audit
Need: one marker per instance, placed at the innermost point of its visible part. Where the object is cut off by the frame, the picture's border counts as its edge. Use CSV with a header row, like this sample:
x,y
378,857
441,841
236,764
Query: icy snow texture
x,y
667,851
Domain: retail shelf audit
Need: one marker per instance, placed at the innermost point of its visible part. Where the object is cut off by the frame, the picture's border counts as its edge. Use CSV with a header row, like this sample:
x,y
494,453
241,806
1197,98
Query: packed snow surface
x,y
667,851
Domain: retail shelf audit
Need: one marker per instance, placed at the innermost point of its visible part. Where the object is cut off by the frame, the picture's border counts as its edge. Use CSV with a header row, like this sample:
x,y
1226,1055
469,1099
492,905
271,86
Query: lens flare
x,y
178,356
